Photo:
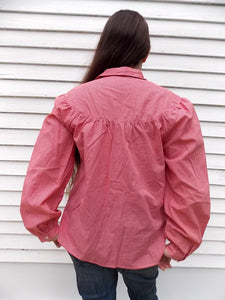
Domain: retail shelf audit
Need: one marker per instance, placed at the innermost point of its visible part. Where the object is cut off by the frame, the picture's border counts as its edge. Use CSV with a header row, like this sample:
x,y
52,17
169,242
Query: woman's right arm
x,y
187,201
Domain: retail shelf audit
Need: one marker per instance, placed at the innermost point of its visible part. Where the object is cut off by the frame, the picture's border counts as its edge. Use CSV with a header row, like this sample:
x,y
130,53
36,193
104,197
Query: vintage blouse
x,y
142,178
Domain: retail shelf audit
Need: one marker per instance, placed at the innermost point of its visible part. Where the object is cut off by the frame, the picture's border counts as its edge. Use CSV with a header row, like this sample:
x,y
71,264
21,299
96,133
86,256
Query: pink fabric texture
x,y
142,179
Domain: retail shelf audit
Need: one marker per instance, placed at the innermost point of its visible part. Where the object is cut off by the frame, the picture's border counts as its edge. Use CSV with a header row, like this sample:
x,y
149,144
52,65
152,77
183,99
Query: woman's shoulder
x,y
162,99
72,98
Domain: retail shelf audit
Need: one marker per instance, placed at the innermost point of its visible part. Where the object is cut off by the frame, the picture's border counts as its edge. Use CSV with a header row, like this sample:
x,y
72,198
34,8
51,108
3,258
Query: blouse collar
x,y
122,71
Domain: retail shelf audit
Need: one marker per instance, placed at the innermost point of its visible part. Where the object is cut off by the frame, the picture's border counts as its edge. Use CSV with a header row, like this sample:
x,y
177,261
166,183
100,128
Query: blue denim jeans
x,y
99,283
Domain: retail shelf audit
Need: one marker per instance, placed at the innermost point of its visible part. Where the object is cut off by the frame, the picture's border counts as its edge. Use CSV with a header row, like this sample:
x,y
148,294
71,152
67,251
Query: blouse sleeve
x,y
48,173
187,201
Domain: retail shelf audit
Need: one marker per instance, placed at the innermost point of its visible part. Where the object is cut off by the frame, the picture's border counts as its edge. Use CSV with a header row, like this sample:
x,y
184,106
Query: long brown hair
x,y
124,42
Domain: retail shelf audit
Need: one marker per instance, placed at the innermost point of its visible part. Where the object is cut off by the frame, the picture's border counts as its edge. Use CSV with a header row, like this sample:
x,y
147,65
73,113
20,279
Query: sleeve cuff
x,y
175,253
48,236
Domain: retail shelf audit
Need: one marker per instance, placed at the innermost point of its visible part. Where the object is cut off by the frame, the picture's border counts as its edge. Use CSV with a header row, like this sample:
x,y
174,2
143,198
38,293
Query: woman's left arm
x,y
48,173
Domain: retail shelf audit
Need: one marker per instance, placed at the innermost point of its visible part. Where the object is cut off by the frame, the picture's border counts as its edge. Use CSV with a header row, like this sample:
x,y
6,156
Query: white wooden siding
x,y
45,47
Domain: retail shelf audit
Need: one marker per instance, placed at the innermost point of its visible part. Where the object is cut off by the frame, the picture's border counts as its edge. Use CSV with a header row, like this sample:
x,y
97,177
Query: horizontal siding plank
x,y
201,261
201,97
12,198
22,121
216,173
217,220
22,88
153,9
17,227
67,40
48,22
210,129
215,161
212,114
17,153
35,72
24,137
15,168
34,121
44,104
10,227
34,256
18,137
213,234
14,241
59,256
26,105
214,145
84,57
204,2
30,242
211,247
12,213
10,203
15,183
11,183
218,206
75,74
88,41
217,191
55,56
34,88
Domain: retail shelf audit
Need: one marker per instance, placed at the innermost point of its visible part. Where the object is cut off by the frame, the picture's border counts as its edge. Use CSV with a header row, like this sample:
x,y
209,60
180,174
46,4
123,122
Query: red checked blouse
x,y
142,179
